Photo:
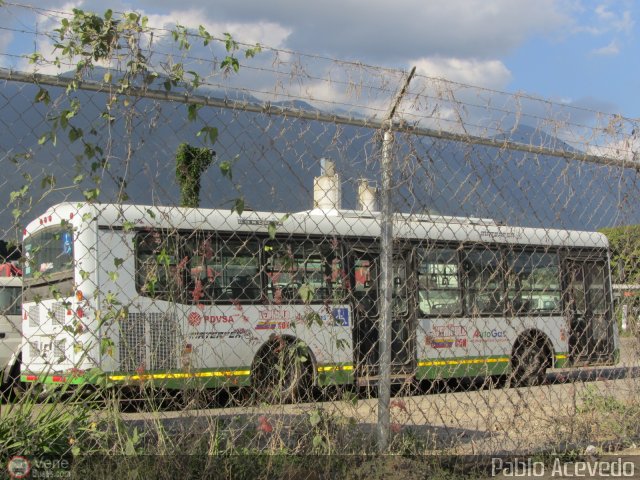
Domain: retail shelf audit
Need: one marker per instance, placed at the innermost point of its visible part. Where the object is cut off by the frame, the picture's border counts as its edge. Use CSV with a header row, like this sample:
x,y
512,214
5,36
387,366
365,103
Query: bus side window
x,y
159,266
365,288
533,282
204,281
483,280
240,270
222,270
304,272
439,282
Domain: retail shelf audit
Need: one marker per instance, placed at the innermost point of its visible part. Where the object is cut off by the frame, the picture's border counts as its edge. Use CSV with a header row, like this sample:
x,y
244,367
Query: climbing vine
x,y
191,162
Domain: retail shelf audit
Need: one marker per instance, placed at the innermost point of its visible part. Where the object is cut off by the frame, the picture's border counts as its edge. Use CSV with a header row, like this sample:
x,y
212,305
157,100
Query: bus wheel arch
x,y
283,369
531,356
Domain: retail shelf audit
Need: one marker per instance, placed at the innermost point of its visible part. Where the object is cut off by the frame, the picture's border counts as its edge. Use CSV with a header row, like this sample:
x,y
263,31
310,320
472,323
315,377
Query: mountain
x,y
274,160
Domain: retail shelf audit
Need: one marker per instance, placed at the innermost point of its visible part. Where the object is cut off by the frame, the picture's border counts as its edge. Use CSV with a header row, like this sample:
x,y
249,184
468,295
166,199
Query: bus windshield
x,y
48,252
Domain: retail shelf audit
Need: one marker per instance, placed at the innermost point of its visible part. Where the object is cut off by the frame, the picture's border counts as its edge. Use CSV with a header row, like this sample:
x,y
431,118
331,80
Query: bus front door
x,y
588,312
367,320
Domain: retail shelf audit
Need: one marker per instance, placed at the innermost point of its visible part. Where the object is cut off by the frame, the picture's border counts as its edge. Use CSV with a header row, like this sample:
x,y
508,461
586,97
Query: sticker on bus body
x,y
339,317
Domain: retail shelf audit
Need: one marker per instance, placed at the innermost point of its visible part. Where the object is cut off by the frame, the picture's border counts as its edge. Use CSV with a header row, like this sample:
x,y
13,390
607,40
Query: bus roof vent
x,y
367,196
326,187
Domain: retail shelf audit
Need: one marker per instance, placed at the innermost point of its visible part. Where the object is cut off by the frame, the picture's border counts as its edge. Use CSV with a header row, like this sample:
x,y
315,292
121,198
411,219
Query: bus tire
x,y
529,360
282,371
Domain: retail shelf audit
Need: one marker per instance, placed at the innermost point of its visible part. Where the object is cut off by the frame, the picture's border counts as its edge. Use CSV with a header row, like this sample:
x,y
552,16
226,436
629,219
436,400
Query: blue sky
x,y
580,52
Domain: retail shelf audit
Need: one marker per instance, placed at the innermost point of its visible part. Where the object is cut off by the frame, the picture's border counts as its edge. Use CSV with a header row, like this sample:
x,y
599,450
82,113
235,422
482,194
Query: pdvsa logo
x,y
194,319
18,467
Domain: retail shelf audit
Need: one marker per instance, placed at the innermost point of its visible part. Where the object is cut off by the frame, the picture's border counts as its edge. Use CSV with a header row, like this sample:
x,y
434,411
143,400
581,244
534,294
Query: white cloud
x,y
611,49
604,13
379,32
374,32
604,20
618,22
484,73
265,32
620,149
5,40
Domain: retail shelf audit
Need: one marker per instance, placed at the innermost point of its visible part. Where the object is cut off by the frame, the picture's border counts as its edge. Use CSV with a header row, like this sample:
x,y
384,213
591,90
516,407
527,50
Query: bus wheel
x,y
529,361
281,371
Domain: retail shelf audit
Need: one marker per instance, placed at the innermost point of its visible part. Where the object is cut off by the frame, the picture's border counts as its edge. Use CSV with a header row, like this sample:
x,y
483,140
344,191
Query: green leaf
x,y
43,96
129,448
107,77
230,63
238,206
91,194
225,169
196,78
193,112
318,441
106,346
210,132
48,181
75,134
117,262
251,52
306,292
229,43
314,418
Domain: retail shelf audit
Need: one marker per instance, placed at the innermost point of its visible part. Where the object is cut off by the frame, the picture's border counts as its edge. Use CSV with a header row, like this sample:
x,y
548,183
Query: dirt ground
x,y
572,407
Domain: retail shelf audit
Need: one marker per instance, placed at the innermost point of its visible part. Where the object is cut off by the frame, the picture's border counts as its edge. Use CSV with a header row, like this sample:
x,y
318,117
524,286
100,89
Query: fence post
x,y
386,276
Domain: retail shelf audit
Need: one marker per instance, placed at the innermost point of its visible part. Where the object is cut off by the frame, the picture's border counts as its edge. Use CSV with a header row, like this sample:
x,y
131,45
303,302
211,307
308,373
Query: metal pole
x,y
386,278
386,290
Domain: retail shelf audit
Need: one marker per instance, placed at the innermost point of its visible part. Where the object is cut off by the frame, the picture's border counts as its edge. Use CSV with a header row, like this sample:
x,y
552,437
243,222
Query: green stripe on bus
x,y
328,374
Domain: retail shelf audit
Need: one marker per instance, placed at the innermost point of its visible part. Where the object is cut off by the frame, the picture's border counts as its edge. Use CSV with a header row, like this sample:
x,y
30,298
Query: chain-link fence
x,y
379,261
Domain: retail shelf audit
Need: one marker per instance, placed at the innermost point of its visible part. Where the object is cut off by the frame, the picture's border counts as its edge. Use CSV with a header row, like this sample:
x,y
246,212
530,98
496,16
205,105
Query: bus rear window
x,y
48,252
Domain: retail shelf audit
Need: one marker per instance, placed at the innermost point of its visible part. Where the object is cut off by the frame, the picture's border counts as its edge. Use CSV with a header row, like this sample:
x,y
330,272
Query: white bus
x,y
130,293
10,330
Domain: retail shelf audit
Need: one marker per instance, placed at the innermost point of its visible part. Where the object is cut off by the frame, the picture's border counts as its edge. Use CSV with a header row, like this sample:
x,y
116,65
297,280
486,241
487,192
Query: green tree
x,y
624,242
191,163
